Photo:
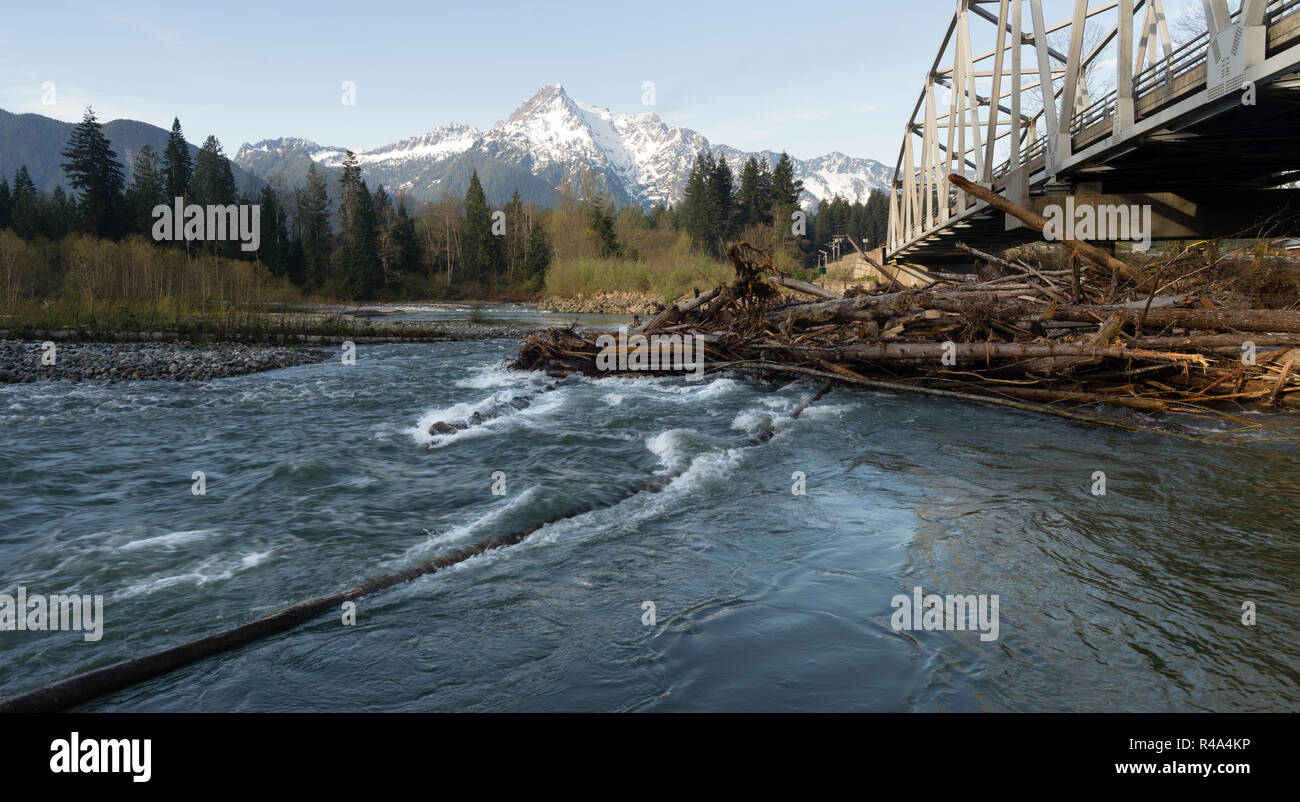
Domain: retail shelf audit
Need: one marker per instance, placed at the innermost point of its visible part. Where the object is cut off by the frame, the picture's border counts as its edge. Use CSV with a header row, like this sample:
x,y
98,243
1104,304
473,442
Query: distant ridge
x,y
548,138
38,142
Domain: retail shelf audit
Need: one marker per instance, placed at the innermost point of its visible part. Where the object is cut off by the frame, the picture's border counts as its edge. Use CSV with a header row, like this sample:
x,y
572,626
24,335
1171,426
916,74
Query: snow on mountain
x,y
549,138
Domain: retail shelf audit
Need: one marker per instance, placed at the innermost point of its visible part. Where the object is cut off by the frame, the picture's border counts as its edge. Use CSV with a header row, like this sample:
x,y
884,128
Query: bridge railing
x,y
1282,8
1181,61
1097,112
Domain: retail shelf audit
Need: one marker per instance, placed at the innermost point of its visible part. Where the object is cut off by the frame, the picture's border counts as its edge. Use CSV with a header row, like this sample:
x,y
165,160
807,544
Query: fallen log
x,y
807,289
1261,320
863,307
983,352
674,311
1038,223
1215,341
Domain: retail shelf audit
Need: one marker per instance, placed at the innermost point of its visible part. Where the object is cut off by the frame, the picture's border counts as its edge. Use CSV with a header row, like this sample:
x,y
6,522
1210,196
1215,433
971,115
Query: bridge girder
x,y
993,126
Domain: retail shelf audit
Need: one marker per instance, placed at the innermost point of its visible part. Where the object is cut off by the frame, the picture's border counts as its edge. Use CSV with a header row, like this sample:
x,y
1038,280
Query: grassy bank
x,y
664,282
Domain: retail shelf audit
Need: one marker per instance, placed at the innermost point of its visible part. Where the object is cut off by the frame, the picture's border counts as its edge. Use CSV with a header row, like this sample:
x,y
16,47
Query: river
x,y
320,476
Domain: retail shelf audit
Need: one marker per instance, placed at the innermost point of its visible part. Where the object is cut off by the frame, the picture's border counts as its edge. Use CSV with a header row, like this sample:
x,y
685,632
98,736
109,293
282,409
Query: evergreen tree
x,y
538,258
24,212
177,163
274,250
876,218
363,273
600,219
61,216
722,217
6,202
406,243
694,213
313,219
480,250
785,189
213,184
148,189
94,171
747,200
23,184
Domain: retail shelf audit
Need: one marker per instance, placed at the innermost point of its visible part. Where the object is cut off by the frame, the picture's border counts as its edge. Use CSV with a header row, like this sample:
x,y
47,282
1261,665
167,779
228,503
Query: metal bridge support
x,y
1031,109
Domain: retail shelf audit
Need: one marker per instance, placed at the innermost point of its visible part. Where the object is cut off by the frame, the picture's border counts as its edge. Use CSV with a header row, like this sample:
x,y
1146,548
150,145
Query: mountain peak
x,y
552,138
546,98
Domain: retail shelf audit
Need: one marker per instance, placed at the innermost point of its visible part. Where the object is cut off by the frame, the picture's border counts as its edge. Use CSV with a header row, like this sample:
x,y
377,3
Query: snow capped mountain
x,y
548,139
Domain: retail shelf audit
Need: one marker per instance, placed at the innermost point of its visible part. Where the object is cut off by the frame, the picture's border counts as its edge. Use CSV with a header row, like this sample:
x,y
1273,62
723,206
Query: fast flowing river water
x,y
321,476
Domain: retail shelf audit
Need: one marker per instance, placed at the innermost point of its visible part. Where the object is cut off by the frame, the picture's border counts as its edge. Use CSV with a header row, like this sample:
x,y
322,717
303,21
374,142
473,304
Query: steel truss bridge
x,y
1203,132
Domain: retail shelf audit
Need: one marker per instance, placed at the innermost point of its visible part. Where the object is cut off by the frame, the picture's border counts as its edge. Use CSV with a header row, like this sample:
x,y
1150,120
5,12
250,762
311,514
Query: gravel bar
x,y
21,361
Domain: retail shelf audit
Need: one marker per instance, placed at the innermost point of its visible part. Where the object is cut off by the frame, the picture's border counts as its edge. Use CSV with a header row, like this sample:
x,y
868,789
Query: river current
x,y
728,590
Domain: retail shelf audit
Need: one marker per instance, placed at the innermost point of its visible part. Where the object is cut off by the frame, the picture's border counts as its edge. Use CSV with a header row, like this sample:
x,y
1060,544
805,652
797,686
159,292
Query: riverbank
x,y
603,303
204,348
23,362
396,332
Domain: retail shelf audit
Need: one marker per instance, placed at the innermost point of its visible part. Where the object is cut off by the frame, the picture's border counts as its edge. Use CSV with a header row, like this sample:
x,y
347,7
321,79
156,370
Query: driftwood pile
x,y
1089,342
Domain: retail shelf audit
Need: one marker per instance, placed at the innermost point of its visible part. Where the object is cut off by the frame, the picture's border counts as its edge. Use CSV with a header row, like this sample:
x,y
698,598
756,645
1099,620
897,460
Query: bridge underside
x,y
1210,176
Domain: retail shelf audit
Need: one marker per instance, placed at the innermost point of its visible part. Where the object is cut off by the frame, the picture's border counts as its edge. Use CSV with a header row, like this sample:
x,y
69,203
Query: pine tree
x,y
6,202
24,214
313,218
94,171
723,218
480,250
23,184
178,166
61,216
600,219
213,184
785,189
362,272
538,258
148,189
876,224
274,250
747,211
406,243
693,215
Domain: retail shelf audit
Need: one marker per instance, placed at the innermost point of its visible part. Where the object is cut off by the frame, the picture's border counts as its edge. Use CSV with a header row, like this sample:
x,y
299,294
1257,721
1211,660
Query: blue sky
x,y
808,78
